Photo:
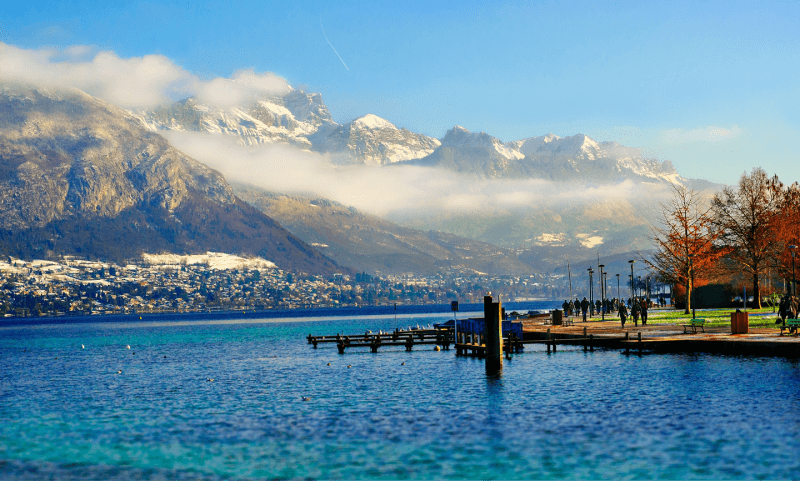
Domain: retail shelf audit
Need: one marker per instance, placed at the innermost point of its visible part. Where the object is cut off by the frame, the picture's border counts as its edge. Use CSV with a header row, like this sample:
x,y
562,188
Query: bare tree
x,y
744,217
685,234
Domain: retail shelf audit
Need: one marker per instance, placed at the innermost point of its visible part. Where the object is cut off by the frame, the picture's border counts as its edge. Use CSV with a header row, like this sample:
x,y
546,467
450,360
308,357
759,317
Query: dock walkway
x,y
669,338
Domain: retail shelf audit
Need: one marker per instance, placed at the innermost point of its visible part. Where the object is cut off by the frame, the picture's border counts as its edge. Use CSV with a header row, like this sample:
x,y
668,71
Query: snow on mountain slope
x,y
373,141
460,137
290,118
573,158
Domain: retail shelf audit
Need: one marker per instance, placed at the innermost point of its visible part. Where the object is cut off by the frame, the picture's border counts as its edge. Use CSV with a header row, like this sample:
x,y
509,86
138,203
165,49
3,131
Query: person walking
x,y
584,308
623,314
644,311
635,310
565,307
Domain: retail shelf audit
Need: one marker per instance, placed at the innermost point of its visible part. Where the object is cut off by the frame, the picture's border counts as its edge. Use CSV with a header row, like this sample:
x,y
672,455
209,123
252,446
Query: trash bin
x,y
740,322
558,317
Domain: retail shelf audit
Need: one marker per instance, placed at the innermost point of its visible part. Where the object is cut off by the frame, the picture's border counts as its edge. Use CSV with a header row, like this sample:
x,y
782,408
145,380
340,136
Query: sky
x,y
713,87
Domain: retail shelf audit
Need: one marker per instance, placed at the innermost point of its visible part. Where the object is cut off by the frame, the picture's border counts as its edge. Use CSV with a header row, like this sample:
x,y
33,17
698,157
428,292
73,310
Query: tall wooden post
x,y
494,334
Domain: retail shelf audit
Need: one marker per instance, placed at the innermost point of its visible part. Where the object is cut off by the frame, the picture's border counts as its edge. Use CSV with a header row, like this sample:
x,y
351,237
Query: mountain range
x,y
544,229
79,176
82,176
302,119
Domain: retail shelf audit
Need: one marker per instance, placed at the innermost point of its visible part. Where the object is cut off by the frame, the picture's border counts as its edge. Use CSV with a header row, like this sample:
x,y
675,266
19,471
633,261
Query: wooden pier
x,y
592,335
408,339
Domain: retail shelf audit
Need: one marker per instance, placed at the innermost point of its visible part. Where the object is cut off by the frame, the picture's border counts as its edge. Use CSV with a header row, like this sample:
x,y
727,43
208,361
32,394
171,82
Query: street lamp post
x,y
631,262
639,285
792,249
618,287
602,293
591,293
691,275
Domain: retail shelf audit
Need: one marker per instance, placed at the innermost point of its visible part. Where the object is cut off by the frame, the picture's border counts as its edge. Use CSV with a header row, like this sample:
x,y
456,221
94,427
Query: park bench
x,y
694,324
791,325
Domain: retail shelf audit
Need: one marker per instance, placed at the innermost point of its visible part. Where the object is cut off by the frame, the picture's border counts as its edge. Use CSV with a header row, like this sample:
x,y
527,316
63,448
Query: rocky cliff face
x,y
65,153
80,176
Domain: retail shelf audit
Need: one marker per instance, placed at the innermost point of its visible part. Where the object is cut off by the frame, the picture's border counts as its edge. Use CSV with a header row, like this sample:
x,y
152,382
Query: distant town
x,y
214,281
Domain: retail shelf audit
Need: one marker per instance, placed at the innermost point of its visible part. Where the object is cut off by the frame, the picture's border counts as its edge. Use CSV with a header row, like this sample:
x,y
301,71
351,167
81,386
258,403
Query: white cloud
x,y
136,82
383,190
242,85
704,134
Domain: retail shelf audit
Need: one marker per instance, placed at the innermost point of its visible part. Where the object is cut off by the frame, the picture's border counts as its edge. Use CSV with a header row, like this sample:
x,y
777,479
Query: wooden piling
x,y
585,344
493,327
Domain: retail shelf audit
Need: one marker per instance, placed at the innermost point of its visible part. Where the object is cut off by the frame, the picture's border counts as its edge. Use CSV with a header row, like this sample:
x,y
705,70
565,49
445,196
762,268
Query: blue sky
x,y
713,87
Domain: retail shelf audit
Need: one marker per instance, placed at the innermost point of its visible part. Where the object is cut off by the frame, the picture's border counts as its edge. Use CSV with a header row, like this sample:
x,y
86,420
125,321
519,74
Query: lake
x,y
220,397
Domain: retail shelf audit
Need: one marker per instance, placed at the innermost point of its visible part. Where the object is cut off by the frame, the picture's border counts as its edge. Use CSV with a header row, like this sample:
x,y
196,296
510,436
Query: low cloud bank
x,y
391,189
134,83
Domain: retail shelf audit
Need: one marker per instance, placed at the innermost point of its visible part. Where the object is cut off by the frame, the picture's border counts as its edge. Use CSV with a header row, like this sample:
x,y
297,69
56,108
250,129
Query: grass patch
x,y
715,317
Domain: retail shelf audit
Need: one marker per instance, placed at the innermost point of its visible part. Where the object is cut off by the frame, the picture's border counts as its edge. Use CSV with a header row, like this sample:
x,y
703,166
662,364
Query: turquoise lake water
x,y
67,413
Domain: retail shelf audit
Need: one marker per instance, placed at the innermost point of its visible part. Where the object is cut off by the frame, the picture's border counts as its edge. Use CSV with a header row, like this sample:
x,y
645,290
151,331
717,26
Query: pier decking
x,y
658,338
408,339
671,338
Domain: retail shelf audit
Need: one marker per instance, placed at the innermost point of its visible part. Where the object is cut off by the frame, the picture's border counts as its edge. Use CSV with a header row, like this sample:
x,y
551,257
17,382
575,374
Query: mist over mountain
x,y
544,196
80,176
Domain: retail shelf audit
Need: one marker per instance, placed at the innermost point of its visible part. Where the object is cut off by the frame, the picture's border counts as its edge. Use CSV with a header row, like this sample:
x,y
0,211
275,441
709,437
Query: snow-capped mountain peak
x,y
371,121
372,140
459,137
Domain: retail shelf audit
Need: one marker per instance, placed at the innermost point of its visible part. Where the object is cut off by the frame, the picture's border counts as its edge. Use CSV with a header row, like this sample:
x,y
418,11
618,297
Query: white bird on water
x,y
128,346
83,347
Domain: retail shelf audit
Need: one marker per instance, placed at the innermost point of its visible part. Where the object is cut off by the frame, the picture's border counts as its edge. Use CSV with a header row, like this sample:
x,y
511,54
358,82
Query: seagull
x,y
128,346
83,347
306,398
119,372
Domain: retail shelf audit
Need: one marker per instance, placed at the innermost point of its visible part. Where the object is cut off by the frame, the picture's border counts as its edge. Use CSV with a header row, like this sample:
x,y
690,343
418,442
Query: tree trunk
x,y
688,296
756,293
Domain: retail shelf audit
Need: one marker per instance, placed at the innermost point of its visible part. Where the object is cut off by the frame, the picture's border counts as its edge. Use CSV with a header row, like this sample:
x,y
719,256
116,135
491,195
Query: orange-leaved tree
x,y
684,242
744,218
785,227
